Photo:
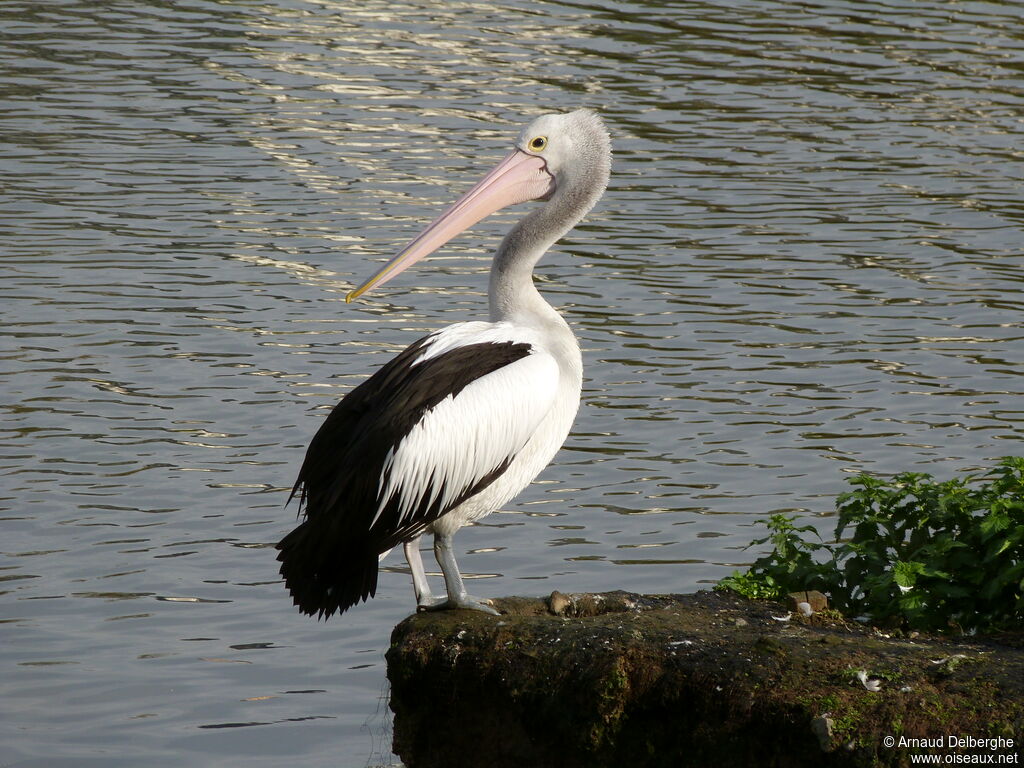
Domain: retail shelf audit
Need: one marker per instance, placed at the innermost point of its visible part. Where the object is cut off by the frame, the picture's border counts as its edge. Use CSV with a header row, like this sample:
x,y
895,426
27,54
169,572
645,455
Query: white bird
x,y
465,418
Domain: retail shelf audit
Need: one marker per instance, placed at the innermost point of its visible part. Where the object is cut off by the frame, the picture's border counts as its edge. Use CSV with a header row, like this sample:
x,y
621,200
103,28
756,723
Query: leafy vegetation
x,y
922,554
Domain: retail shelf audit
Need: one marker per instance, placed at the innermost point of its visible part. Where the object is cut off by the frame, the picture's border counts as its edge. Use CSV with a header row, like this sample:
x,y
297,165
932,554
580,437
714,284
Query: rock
x,y
619,679
816,601
821,726
769,644
558,603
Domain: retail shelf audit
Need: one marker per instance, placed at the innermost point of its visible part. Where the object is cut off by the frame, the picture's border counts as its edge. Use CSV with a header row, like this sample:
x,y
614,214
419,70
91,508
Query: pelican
x,y
463,419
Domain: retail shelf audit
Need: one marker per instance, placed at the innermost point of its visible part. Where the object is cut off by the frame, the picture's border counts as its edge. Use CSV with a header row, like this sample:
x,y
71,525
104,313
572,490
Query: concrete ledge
x,y
708,679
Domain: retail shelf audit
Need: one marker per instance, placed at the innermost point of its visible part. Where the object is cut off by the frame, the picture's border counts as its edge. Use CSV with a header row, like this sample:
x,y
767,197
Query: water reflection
x,y
808,264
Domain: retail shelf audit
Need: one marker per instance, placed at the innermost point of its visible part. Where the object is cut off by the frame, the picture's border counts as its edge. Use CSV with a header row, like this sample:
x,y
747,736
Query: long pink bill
x,y
516,179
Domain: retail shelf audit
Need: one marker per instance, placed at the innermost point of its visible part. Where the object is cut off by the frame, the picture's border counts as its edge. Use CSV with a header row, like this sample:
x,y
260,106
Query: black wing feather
x,y
330,560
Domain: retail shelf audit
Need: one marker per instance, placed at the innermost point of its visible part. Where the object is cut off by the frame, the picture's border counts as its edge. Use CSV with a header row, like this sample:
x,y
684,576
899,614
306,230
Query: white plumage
x,y
465,436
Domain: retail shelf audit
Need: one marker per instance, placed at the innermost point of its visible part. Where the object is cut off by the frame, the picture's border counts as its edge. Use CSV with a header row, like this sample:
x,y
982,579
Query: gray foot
x,y
465,602
457,597
431,603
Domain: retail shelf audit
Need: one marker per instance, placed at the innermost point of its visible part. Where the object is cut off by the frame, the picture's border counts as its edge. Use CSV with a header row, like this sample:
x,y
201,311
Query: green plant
x,y
922,554
791,561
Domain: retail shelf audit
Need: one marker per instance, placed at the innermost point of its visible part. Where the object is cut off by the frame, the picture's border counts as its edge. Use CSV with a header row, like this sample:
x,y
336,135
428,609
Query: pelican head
x,y
562,158
576,151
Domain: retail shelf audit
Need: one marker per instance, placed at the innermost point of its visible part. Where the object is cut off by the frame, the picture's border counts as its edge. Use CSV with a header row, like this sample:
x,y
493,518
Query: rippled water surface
x,y
808,264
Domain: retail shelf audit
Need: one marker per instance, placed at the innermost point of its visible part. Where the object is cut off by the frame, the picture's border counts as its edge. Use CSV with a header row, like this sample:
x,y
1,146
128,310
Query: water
x,y
808,264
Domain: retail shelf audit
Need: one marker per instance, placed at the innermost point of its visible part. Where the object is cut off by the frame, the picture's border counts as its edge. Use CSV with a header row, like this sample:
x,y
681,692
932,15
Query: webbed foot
x,y
465,602
431,603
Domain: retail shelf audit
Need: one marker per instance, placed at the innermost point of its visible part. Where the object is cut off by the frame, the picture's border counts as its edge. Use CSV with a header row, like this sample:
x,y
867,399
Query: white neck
x,y
515,299
513,296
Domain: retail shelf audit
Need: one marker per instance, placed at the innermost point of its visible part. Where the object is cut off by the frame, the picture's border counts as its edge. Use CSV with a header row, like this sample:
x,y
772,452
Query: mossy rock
x,y
709,679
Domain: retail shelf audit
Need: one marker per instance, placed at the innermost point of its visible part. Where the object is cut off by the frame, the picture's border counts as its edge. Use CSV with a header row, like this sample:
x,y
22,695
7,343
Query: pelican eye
x,y
537,143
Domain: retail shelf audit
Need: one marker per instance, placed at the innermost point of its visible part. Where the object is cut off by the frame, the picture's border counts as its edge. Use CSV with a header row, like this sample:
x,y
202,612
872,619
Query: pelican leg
x,y
457,596
425,599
